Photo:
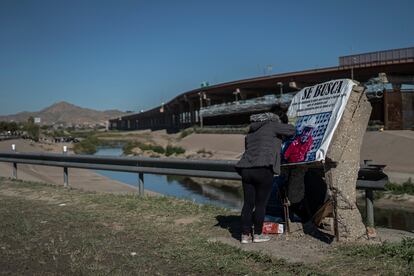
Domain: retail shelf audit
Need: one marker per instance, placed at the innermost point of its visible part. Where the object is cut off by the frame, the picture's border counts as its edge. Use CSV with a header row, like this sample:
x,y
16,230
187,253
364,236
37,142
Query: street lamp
x,y
280,85
352,67
236,93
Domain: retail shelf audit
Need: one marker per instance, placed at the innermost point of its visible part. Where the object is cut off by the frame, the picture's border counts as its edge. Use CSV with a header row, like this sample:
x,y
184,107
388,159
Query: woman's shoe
x,y
246,238
261,238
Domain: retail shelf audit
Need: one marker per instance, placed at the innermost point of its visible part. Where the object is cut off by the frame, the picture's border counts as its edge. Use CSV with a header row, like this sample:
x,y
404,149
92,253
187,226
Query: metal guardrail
x,y
369,177
8,137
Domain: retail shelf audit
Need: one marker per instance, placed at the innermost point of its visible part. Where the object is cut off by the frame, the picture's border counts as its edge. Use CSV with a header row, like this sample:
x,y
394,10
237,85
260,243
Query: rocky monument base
x,y
340,169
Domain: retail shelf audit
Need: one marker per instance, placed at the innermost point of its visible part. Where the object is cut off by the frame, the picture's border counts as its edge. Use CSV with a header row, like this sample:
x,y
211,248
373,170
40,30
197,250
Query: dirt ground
x,y
393,148
47,230
301,247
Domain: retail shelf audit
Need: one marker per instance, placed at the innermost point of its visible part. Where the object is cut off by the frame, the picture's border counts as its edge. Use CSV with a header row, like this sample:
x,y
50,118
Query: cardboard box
x,y
272,228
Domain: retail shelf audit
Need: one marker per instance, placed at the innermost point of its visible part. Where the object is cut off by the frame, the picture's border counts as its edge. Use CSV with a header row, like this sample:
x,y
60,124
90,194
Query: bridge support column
x,y
192,112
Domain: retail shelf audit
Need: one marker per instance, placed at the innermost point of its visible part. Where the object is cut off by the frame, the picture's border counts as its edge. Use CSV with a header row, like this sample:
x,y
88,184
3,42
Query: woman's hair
x,y
262,117
276,109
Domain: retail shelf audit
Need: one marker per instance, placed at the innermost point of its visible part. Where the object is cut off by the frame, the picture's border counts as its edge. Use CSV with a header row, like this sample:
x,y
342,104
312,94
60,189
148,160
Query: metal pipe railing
x,y
369,177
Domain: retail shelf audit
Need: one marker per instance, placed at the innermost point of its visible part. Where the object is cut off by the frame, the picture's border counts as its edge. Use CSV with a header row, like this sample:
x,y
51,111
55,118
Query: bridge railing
x,y
369,177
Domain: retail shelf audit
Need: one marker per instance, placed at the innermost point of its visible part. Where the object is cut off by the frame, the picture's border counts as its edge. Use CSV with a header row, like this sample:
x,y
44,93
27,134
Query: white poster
x,y
316,111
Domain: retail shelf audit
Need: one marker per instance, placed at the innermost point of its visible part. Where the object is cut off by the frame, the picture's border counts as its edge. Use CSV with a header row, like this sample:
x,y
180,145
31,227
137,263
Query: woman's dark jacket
x,y
263,144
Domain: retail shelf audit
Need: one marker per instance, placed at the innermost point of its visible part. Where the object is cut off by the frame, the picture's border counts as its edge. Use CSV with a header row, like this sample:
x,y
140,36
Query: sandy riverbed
x,y
392,148
87,180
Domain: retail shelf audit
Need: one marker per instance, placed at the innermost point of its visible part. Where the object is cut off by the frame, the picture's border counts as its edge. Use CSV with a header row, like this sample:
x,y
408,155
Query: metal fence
x,y
369,177
394,55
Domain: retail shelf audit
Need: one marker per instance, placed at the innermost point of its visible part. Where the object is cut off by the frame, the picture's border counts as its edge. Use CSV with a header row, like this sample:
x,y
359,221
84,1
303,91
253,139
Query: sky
x,y
134,55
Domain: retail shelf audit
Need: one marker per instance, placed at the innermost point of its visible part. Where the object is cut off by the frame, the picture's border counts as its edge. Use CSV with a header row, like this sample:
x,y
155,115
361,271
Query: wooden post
x,y
140,184
65,170
14,174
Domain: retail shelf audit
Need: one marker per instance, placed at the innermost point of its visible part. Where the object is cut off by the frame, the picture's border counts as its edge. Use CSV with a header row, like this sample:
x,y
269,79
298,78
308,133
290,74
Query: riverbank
x,y
52,230
87,180
93,181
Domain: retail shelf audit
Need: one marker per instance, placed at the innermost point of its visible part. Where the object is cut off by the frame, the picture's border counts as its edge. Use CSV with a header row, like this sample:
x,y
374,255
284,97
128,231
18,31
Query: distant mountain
x,y
66,114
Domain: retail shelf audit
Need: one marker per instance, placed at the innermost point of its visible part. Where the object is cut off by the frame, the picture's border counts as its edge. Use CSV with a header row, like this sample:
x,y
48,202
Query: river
x,y
232,197
177,187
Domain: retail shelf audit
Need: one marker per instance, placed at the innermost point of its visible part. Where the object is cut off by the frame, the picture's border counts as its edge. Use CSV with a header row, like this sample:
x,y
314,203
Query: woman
x,y
260,161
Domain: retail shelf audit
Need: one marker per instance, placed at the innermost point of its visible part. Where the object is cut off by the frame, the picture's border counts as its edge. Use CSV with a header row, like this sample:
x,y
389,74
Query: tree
x,y
33,130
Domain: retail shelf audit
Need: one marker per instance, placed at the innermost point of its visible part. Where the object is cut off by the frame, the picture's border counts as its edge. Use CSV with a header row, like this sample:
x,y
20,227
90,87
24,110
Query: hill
x,y
63,113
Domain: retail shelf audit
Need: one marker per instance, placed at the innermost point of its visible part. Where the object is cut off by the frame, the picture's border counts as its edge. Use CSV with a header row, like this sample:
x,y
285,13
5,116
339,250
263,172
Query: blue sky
x,y
133,55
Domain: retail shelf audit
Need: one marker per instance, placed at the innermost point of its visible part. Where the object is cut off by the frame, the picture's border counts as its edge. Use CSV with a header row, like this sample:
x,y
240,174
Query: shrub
x,y
186,132
170,150
88,145
127,149
405,188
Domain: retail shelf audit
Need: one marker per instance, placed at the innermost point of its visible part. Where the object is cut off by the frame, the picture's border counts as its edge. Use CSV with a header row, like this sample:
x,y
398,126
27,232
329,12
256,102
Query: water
x,y
232,198
177,186
401,219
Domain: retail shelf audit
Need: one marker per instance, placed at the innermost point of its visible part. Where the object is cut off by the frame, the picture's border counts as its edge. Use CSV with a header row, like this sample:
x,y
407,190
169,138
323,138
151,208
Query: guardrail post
x,y
14,163
141,184
65,170
369,205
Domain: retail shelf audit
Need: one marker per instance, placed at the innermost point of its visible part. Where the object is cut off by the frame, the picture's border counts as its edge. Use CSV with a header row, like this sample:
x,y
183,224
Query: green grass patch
x,y
371,259
87,146
168,151
402,252
129,146
107,234
123,235
398,189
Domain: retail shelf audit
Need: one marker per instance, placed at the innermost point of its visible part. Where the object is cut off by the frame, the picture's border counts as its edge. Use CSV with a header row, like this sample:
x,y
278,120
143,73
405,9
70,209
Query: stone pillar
x,y
191,105
407,110
181,116
341,178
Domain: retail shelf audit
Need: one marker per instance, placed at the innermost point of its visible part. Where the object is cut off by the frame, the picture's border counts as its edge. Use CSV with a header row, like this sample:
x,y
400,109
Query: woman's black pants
x,y
257,186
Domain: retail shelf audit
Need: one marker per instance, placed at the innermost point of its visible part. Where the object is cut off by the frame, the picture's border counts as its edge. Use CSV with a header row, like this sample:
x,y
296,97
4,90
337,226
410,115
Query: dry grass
x,y
49,230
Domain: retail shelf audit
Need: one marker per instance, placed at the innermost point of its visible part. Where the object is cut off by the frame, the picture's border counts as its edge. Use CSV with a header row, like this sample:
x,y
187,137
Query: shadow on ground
x,y
231,223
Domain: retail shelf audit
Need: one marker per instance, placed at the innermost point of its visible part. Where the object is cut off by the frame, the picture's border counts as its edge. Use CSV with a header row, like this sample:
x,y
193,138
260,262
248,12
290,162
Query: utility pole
x,y
236,94
201,94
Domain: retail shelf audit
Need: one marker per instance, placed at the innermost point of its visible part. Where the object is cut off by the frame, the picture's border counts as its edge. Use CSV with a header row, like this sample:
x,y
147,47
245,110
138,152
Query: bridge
x,y
392,107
